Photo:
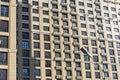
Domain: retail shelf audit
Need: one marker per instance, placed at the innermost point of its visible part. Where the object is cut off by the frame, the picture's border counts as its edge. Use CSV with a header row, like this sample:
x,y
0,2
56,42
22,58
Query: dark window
x,y
4,11
5,0
36,36
36,45
25,17
25,35
4,26
25,25
3,74
25,53
45,4
47,37
3,58
37,54
47,46
25,1
24,9
48,72
3,42
25,62
35,3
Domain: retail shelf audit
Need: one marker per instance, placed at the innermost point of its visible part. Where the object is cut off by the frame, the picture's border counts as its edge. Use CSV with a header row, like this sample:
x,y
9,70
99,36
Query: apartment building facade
x,y
50,34
8,40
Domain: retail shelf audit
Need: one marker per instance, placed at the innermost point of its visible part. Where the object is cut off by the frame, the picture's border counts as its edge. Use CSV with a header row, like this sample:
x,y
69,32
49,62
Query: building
x,y
8,40
50,34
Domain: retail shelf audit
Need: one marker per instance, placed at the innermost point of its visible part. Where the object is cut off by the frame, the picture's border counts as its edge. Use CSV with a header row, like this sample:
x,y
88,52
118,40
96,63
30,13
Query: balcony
x,y
59,76
56,33
55,17
68,59
57,58
63,3
96,2
100,24
55,9
56,41
55,25
66,34
100,31
54,2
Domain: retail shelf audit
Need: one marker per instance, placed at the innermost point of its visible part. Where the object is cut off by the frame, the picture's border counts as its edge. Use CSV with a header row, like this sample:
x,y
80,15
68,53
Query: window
x,y
3,74
78,64
115,76
4,25
5,0
106,74
105,7
56,37
112,60
45,12
35,3
25,53
83,25
46,45
36,36
114,68
88,74
97,74
77,56
4,11
45,20
67,47
57,46
67,55
63,1
25,35
66,39
110,44
36,45
89,5
37,54
85,41
95,58
68,64
58,72
48,72
82,18
25,17
35,18
35,11
3,58
37,63
87,65
81,11
91,19
25,62
90,12
25,44
37,72
46,37
46,28
78,73
47,55
111,51
3,42
45,4
104,58
25,1
92,27
25,25
26,71
54,6
58,63
25,9
69,73
36,27
96,66
47,63
94,50
93,43
57,54
81,4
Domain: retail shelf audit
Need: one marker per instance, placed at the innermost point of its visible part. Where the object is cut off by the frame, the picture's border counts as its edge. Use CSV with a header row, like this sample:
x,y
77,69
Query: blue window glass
x,y
25,44
25,17
4,11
